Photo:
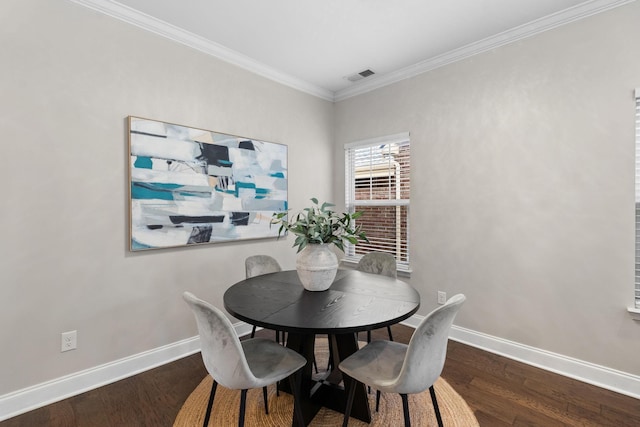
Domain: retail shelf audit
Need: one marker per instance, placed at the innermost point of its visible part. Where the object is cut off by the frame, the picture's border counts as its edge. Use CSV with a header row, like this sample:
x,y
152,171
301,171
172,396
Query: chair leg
x,y
351,392
432,391
315,364
282,341
253,331
330,361
210,404
243,405
264,397
277,383
377,400
405,408
294,380
389,330
368,341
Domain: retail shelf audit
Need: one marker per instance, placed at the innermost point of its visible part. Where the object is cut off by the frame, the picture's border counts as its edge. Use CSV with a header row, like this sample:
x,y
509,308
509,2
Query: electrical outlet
x,y
442,297
69,341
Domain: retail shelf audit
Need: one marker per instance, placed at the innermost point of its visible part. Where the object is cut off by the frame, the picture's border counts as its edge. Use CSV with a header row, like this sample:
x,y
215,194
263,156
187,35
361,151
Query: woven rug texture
x,y
454,410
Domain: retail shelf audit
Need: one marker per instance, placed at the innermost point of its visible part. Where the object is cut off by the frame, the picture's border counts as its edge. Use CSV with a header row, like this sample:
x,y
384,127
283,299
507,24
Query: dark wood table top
x,y
356,301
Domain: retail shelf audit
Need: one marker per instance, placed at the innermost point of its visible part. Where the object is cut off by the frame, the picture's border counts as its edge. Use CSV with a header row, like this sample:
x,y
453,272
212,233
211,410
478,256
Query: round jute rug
x,y
454,410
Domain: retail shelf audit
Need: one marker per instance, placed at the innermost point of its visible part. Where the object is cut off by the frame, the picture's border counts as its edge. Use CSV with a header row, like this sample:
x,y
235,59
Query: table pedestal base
x,y
327,392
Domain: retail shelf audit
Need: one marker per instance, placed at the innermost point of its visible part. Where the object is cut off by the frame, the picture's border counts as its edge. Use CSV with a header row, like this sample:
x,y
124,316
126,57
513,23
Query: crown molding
x,y
171,32
524,31
164,29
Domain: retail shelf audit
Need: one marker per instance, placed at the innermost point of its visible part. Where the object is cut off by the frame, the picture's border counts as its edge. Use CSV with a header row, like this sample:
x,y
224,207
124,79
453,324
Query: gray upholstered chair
x,y
241,365
378,263
394,367
257,265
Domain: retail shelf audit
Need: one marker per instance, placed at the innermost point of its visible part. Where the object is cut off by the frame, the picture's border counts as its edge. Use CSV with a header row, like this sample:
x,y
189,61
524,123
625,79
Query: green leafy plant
x,y
320,224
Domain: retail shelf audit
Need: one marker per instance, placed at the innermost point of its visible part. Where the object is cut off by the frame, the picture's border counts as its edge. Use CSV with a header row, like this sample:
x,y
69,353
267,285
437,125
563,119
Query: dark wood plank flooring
x,y
501,392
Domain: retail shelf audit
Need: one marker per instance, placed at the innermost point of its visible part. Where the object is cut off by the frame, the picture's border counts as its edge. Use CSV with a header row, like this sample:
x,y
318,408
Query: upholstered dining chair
x,y
394,367
378,263
257,265
241,365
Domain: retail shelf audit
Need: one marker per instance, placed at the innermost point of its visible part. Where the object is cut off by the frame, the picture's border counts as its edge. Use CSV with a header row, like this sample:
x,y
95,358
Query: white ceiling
x,y
315,45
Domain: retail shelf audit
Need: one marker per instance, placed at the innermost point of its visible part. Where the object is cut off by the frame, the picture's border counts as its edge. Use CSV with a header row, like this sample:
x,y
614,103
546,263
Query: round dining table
x,y
355,302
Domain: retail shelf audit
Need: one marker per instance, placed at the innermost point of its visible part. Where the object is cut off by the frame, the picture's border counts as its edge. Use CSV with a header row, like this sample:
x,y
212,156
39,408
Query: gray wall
x,y
522,185
68,80
522,195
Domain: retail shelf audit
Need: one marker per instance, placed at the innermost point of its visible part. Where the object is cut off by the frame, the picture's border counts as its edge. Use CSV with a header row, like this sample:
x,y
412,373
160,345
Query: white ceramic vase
x,y
317,266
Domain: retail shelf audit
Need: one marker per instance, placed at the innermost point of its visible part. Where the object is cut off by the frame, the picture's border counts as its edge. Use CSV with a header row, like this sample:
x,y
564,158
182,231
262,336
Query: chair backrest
x,y
427,349
221,350
258,265
378,263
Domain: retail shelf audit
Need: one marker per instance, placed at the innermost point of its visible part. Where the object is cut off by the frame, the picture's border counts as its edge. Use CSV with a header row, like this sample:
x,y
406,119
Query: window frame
x,y
402,138
636,306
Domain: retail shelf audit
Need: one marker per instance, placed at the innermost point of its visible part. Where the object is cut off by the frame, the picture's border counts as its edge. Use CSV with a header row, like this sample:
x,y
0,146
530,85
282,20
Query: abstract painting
x,y
192,186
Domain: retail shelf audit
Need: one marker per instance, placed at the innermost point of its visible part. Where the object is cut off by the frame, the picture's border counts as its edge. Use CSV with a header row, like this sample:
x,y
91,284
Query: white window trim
x,y
404,269
634,311
390,139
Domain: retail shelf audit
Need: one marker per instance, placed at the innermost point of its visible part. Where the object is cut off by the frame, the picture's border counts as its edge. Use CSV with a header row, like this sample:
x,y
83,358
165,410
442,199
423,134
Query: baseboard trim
x,y
43,394
590,373
40,395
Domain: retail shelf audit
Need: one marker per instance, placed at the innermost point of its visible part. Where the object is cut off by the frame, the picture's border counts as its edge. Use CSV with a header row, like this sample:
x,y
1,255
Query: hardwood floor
x,y
503,392
500,391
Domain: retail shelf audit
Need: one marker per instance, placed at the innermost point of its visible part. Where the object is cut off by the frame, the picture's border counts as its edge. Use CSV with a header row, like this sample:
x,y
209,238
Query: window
x,y
377,183
638,198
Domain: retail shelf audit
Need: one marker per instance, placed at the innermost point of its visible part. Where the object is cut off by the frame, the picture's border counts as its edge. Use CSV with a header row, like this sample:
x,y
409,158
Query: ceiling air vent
x,y
361,75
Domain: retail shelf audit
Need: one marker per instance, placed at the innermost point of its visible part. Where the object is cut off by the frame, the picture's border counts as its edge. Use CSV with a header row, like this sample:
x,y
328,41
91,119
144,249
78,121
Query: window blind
x,y
378,184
